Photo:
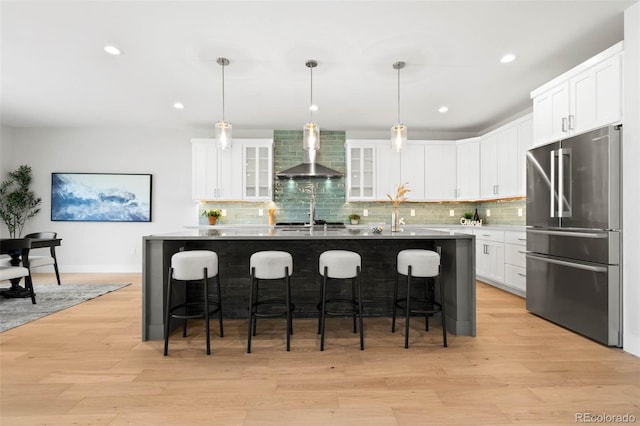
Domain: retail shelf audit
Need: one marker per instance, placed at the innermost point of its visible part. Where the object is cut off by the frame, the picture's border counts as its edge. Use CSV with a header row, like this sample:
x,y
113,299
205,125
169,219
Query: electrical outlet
x,y
224,212
488,212
260,212
452,212
365,212
520,211
413,212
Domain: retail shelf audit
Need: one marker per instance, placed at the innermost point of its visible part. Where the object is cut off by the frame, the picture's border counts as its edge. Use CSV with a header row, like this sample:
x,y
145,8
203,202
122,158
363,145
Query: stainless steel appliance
x,y
574,234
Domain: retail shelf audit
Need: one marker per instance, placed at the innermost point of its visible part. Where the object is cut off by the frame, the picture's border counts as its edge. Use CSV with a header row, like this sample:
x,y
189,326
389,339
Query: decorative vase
x,y
354,221
395,220
212,220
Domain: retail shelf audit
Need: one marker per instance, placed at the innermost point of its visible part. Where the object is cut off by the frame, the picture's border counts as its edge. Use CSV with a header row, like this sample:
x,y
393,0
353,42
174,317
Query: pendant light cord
x,y
398,95
223,92
311,104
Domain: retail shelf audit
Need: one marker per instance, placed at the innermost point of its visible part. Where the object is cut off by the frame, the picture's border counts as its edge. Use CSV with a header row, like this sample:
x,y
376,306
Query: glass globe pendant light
x,y
223,128
311,131
398,130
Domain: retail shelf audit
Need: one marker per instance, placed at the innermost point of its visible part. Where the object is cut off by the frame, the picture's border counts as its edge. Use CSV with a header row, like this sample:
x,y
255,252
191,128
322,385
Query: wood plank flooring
x,y
86,365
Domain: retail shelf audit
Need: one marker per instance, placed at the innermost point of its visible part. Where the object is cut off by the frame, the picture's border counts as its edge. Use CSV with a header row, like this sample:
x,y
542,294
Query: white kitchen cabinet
x,y
515,262
212,171
257,169
490,255
488,166
241,172
468,169
387,170
503,160
361,170
412,170
584,98
525,143
440,161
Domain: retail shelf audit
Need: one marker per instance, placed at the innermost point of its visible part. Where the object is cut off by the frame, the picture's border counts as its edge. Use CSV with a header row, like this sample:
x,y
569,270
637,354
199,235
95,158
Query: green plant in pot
x,y
468,215
17,202
212,215
354,218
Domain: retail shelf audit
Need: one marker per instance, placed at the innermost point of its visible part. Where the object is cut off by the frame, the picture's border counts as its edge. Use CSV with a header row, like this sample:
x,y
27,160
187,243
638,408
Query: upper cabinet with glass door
x,y
360,170
257,156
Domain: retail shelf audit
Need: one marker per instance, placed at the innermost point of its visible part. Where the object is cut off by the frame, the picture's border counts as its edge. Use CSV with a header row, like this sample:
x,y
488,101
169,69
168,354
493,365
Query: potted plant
x,y
355,218
212,215
17,202
468,215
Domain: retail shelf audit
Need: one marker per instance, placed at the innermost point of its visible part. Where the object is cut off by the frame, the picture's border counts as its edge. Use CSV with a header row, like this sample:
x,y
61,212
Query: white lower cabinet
x,y
490,254
515,262
500,259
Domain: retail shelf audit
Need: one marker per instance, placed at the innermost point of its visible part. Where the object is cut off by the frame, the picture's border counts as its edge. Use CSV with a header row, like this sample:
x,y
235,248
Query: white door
x,y
488,166
440,172
507,151
468,170
204,180
412,171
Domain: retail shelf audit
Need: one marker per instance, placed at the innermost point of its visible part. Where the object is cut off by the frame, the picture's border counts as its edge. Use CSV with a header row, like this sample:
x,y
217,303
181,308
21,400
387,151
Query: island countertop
x,y
230,232
235,244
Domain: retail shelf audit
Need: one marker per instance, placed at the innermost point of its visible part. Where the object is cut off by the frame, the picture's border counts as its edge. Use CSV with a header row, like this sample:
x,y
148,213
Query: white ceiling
x,y
56,74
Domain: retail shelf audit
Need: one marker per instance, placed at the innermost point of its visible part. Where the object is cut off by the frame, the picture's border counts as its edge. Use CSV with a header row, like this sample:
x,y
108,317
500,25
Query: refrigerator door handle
x,y
569,264
552,190
562,153
560,183
568,233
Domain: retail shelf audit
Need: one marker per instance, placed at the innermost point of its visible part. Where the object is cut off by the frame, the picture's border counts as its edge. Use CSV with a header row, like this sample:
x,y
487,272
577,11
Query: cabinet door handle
x,y
522,275
497,189
571,120
564,124
522,239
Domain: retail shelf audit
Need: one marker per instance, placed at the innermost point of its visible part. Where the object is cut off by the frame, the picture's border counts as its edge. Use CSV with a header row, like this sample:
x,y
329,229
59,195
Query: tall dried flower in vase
x,y
401,190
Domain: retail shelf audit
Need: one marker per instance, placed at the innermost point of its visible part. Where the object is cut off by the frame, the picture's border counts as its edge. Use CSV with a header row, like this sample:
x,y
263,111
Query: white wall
x,y
631,181
100,246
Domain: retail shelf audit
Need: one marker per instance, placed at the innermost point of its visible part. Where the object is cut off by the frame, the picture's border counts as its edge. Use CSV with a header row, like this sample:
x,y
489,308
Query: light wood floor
x,y
87,366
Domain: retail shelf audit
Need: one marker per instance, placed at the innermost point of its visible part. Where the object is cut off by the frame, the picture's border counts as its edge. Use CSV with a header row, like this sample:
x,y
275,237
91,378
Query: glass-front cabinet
x,y
360,171
257,175
242,172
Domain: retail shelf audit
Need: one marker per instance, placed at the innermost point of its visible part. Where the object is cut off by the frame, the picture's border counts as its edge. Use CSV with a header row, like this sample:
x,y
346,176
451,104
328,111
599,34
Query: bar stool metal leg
x,y
167,323
407,311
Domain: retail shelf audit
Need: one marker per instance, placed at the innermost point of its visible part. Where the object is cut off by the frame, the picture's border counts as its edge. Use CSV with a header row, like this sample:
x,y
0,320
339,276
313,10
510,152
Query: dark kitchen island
x,y
235,245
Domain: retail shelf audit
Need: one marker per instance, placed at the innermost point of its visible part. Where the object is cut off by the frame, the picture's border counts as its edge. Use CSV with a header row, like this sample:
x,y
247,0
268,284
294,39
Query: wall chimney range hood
x,y
309,168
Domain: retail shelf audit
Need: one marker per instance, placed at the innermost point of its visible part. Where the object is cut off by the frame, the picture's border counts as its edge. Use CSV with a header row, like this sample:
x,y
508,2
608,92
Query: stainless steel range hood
x,y
309,168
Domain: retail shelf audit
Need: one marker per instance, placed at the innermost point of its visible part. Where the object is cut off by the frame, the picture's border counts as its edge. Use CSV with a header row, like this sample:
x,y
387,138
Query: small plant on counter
x,y
355,218
468,215
212,215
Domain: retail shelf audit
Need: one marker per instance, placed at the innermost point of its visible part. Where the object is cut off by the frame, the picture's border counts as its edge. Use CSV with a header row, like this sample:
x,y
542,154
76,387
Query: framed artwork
x,y
100,197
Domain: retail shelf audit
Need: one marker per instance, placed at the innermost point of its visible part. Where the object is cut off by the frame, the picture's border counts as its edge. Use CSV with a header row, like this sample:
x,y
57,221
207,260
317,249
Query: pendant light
x,y
398,130
311,134
223,128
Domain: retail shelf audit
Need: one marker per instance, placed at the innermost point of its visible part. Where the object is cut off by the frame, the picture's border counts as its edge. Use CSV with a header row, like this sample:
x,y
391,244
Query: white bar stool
x,y
418,263
193,267
270,265
340,265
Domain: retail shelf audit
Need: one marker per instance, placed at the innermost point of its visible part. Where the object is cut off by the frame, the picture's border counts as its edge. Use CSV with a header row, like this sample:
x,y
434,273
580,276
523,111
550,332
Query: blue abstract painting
x,y
100,197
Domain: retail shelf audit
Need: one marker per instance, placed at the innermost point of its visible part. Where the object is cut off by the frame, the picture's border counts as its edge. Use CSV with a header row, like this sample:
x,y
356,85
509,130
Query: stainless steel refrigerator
x,y
574,234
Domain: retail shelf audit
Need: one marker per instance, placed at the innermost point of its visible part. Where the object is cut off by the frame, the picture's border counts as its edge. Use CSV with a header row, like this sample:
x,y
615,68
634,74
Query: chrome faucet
x,y
312,204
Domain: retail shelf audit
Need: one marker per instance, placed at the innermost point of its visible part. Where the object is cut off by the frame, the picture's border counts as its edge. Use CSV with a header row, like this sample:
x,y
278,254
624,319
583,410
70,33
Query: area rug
x,y
50,298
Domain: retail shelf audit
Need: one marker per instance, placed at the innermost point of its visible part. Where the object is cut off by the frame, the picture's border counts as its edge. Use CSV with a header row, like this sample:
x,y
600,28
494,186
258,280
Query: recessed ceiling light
x,y
178,105
443,109
112,50
313,107
509,57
